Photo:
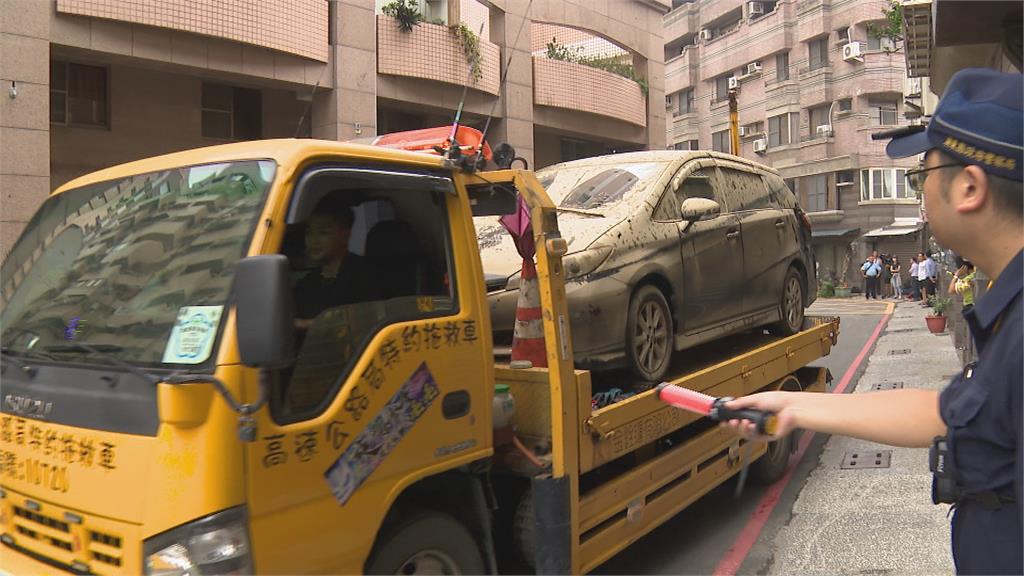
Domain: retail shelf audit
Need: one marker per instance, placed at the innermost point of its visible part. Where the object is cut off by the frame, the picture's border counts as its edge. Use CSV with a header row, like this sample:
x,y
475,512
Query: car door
x,y
712,255
767,236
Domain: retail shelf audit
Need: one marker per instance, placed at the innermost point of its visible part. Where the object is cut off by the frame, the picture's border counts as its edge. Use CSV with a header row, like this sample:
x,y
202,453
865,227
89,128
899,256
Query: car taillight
x,y
803,220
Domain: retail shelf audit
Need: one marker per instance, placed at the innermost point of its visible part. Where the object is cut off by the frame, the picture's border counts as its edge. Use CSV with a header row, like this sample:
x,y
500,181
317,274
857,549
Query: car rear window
x,y
597,186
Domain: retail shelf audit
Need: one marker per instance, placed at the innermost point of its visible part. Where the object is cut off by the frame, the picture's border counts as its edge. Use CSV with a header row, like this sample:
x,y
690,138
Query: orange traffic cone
x,y
528,337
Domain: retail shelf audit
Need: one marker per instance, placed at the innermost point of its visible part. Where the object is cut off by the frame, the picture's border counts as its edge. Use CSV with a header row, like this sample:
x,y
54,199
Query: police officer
x,y
973,196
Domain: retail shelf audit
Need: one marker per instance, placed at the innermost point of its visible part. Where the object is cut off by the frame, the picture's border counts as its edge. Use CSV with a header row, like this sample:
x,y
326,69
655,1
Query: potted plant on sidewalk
x,y
937,320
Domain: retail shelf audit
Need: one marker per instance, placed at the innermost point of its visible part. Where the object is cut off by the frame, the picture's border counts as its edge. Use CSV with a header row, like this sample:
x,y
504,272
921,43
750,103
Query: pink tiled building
x,y
814,85
88,84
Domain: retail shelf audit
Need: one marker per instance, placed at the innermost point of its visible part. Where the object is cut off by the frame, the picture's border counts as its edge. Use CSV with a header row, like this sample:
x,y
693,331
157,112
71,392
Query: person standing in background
x,y
927,274
895,280
915,287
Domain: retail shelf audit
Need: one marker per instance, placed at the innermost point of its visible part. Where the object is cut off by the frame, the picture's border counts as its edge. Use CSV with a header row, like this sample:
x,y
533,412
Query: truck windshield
x,y
140,265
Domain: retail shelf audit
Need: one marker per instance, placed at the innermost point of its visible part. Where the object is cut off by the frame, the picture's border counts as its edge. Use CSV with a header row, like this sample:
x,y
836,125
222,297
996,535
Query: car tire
x,y
649,334
427,543
772,465
792,304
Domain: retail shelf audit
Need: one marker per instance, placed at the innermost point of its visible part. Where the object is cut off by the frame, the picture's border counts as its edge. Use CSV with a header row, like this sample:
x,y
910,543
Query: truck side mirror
x,y
694,209
265,318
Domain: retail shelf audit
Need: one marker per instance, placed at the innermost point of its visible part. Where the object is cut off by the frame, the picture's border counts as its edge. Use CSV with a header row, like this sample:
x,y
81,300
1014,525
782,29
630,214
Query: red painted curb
x,y
733,559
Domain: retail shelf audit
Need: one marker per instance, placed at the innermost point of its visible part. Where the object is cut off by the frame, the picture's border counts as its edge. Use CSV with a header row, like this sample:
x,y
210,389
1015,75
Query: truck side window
x,y
399,258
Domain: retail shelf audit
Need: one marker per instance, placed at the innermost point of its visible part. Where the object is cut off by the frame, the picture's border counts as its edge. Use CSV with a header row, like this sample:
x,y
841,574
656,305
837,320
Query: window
x,y
698,185
817,116
573,149
78,94
686,102
400,226
846,105
694,145
680,146
843,35
720,141
884,184
884,113
778,131
745,191
722,88
817,53
231,113
816,190
782,66
753,130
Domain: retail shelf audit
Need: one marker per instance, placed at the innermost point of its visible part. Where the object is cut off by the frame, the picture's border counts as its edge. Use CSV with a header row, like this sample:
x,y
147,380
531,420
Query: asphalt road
x,y
696,540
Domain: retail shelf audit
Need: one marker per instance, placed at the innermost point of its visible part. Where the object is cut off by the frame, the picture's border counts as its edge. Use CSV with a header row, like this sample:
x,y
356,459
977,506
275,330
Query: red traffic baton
x,y
767,423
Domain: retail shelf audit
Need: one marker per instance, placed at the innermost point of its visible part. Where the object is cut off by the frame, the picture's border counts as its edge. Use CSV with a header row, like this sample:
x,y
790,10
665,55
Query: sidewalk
x,y
876,520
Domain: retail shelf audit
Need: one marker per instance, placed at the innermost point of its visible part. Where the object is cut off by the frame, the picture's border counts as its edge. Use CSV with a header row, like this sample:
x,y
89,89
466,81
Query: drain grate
x,y
892,330
873,459
899,352
888,386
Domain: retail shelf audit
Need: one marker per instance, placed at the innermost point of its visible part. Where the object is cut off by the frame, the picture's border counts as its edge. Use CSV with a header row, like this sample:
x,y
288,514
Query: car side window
x,y
745,190
395,268
698,185
781,194
667,209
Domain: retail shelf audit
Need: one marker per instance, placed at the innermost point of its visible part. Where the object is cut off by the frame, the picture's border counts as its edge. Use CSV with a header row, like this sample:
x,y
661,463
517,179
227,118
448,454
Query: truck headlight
x,y
216,544
585,262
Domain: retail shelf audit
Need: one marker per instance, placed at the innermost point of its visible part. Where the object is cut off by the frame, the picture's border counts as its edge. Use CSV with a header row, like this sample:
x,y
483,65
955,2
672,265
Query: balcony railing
x,y
574,86
432,52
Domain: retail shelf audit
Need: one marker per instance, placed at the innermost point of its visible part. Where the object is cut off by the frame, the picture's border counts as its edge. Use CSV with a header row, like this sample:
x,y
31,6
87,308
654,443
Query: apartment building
x,y
813,86
90,84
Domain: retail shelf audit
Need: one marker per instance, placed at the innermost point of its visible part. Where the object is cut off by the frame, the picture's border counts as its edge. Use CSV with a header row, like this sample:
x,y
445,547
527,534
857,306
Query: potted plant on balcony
x,y
937,320
407,12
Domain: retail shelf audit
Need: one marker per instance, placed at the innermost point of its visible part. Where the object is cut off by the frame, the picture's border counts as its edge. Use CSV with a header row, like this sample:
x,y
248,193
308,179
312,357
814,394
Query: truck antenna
x,y
501,85
454,153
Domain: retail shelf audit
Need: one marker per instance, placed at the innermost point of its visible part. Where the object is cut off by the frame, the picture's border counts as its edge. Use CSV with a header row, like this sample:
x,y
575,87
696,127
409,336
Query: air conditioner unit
x,y
760,145
705,34
753,68
756,8
734,82
743,131
852,51
824,131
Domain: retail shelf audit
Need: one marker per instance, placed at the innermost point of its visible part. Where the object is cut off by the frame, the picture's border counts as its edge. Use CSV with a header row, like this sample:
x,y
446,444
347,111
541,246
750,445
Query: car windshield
x,y
597,187
141,265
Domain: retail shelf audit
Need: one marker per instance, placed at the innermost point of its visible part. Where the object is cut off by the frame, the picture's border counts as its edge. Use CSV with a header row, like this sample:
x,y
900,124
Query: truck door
x,y
763,228
712,253
379,394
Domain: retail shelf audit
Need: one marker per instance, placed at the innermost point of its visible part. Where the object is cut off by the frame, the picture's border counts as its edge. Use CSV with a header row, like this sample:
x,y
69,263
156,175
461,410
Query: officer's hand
x,y
779,403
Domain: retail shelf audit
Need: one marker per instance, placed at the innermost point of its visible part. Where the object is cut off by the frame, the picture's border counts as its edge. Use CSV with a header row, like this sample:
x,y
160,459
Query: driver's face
x,y
326,238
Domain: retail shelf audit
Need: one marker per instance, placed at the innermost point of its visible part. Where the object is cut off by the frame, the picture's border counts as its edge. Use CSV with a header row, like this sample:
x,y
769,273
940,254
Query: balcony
x,y
884,73
683,71
432,52
577,87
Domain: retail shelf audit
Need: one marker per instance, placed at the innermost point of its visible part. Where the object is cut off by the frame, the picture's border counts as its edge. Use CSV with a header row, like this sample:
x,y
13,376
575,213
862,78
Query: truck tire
x,y
772,465
649,334
523,530
427,543
792,305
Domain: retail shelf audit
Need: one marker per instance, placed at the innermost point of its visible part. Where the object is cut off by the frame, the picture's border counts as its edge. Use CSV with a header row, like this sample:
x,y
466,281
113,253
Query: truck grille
x,y
63,539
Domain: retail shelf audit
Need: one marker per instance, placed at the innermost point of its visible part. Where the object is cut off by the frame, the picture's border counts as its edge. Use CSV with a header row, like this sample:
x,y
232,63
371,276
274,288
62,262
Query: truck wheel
x,y
427,543
792,305
649,333
523,529
771,466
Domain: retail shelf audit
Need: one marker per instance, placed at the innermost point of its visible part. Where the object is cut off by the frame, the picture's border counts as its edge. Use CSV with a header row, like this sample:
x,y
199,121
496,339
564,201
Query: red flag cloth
x,y
519,226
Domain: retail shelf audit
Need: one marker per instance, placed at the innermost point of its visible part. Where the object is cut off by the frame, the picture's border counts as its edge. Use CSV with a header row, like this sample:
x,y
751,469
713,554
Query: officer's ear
x,y
970,191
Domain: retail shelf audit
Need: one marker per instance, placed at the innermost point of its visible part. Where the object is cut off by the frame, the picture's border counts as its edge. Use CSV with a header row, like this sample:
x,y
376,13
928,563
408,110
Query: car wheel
x,y
792,305
649,334
427,543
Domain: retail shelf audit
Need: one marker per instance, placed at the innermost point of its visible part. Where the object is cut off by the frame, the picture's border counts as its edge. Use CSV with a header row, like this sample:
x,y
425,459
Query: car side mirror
x,y
694,209
265,319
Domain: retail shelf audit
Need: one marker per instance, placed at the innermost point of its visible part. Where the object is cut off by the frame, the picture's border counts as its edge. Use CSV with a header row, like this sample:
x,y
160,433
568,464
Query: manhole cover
x,y
887,386
899,352
872,459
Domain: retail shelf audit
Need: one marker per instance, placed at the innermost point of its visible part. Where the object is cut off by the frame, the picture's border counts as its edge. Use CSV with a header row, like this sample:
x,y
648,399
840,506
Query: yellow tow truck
x,y
163,414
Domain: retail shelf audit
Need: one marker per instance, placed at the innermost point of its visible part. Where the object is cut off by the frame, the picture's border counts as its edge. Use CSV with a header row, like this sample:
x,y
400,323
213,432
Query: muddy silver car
x,y
667,250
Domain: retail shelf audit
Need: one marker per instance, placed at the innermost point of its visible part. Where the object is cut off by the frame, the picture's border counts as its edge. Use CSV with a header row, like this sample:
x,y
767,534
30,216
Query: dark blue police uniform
x,y
982,409
977,465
